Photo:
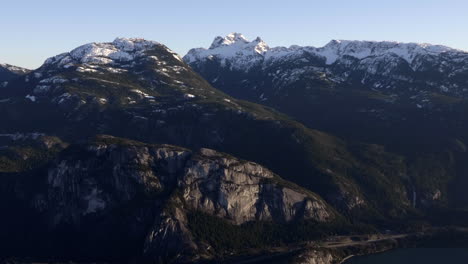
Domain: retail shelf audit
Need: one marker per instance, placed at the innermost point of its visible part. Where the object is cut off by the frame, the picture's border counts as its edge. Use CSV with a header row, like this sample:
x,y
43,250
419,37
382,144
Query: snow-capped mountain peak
x,y
121,49
228,40
234,49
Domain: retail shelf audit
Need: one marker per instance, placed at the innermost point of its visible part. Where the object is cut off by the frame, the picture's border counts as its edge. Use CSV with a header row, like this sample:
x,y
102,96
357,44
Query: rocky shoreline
x,y
341,254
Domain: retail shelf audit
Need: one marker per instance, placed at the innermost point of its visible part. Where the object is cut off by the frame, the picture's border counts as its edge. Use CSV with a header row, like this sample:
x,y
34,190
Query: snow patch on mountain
x,y
31,97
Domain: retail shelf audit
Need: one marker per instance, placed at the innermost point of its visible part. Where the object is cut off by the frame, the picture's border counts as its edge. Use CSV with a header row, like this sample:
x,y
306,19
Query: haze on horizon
x,y
35,30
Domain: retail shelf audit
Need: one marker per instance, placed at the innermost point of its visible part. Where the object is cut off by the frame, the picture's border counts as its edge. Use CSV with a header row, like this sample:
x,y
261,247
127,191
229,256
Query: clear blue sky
x,y
33,30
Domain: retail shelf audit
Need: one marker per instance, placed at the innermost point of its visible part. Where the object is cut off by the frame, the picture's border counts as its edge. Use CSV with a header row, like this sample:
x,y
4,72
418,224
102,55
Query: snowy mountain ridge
x,y
234,48
9,72
14,69
240,53
96,66
120,50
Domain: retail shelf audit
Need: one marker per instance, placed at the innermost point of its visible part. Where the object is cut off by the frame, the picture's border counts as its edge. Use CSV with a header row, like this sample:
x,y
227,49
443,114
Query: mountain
x,y
141,90
389,67
408,97
360,88
8,72
142,199
119,150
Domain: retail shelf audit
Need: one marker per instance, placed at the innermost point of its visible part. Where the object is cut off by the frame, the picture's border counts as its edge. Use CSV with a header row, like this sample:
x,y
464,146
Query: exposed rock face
x,y
317,257
108,175
241,191
170,238
244,191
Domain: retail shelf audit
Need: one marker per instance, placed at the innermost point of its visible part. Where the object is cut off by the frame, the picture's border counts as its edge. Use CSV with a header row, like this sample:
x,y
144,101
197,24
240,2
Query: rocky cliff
x,y
152,188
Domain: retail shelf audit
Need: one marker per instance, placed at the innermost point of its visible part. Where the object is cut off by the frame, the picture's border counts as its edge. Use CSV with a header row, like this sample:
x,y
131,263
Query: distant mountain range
x,y
388,67
126,151
400,72
404,96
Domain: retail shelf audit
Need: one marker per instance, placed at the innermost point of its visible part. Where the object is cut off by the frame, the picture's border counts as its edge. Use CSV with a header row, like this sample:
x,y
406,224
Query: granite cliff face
x,y
108,175
245,191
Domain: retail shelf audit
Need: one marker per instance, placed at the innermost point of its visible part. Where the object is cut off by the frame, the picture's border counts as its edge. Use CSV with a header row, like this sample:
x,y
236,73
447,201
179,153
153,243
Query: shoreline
x,y
340,252
345,259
